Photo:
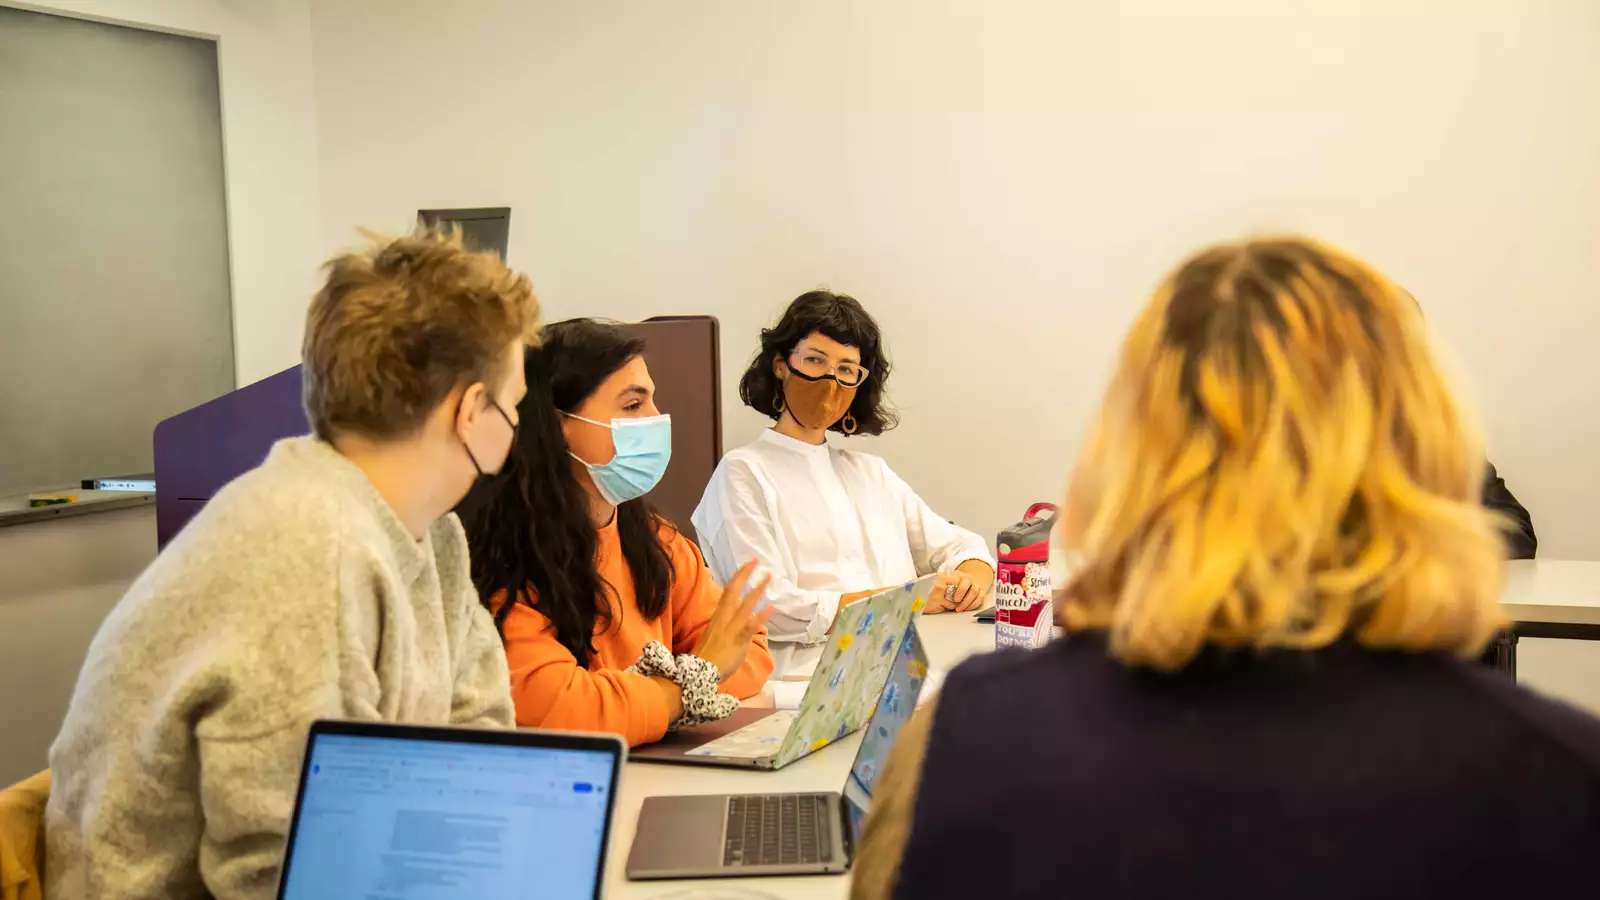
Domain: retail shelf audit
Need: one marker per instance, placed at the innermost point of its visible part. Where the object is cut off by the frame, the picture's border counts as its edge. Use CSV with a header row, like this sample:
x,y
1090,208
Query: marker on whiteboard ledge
x,y
50,499
138,484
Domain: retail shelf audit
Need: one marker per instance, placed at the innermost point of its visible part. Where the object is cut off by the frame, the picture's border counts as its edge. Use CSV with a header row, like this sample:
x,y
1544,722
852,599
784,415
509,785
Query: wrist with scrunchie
x,y
697,678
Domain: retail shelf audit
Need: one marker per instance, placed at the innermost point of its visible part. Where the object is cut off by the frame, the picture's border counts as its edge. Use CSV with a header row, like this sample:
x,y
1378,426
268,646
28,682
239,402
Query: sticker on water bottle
x,y
1022,606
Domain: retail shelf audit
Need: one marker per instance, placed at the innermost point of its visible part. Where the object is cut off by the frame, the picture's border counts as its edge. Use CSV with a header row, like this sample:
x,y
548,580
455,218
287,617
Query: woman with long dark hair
x,y
610,618
833,525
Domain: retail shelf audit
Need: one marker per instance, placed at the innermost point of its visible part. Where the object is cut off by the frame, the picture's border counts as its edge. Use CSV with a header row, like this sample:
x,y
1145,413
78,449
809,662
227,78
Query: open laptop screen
x,y
382,815
895,706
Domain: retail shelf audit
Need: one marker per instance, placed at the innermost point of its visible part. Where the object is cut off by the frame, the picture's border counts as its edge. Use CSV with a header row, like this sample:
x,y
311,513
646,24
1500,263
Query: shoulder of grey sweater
x,y
454,561
256,568
259,534
234,630
271,504
449,541
256,536
451,556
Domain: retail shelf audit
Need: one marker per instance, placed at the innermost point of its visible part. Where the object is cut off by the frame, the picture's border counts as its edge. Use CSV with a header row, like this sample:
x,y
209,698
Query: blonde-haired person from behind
x,y
1282,573
331,581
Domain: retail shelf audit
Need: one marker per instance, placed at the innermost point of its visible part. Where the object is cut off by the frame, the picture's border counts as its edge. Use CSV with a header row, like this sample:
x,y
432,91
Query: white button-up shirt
x,y
824,522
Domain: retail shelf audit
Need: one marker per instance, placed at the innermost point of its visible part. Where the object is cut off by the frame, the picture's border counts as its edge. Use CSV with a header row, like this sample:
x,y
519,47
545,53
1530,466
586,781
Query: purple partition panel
x,y
199,451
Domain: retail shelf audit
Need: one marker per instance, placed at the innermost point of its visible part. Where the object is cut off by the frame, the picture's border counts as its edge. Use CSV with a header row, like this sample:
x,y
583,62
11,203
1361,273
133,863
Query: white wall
x,y
58,579
1003,182
270,155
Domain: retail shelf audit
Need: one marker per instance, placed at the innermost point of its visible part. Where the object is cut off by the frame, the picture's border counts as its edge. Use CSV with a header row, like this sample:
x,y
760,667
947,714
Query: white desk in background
x,y
1543,598
1549,598
948,638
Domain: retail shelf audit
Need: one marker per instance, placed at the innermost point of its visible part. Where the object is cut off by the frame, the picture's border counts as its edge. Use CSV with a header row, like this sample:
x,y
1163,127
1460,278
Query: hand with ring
x,y
964,590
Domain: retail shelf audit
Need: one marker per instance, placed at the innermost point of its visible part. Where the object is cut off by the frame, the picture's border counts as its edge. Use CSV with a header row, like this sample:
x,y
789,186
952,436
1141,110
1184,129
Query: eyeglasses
x,y
814,365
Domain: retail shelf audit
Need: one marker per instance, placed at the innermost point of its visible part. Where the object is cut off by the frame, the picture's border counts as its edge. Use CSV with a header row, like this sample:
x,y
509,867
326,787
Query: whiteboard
x,y
115,301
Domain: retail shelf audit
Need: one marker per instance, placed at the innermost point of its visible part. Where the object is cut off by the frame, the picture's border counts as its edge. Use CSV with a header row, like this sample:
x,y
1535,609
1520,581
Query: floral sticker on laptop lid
x,y
853,669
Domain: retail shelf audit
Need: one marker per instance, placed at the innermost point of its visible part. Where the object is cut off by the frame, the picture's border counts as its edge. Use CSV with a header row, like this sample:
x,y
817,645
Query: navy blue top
x,y
1339,773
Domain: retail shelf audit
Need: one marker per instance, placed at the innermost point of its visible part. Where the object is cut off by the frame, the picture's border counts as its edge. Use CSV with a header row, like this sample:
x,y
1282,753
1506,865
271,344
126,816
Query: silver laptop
x,y
725,835
390,811
846,683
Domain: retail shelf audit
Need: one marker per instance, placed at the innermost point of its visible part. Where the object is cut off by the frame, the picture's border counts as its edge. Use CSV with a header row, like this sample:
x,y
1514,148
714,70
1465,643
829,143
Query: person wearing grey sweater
x,y
330,582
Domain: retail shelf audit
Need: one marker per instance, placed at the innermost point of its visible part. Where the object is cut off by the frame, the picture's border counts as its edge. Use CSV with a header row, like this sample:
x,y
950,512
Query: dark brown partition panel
x,y
685,362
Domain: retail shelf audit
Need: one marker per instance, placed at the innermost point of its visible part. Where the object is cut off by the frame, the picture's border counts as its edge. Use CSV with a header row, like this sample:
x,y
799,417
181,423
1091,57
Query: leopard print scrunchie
x,y
697,678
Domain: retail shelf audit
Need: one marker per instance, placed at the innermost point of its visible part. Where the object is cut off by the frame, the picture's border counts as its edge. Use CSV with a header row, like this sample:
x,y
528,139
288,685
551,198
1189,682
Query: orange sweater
x,y
552,691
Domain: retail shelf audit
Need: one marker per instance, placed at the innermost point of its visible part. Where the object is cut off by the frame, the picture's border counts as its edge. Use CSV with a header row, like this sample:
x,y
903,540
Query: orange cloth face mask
x,y
818,402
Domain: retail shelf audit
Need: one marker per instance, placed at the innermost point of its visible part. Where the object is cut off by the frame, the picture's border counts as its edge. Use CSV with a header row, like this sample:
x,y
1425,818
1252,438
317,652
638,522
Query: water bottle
x,y
1022,611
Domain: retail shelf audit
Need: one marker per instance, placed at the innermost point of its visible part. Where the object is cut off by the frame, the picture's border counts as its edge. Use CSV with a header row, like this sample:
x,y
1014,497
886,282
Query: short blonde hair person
x,y
401,324
1279,462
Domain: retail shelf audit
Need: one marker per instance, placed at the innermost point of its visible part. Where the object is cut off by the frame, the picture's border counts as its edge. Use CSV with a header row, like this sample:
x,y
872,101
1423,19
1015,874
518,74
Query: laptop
x,y
849,677
720,836
390,811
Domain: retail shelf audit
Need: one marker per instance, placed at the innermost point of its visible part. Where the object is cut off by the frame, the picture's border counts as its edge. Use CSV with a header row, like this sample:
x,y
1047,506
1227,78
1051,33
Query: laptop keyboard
x,y
779,829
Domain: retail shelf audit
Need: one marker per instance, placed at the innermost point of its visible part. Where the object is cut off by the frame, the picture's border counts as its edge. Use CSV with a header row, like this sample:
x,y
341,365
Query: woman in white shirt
x,y
833,526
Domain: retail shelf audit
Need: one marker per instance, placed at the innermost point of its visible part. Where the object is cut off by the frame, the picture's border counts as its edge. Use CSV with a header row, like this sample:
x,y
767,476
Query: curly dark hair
x,y
843,319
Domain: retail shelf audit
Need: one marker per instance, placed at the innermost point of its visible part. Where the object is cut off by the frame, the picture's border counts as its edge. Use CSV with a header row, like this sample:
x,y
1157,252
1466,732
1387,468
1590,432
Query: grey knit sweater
x,y
296,594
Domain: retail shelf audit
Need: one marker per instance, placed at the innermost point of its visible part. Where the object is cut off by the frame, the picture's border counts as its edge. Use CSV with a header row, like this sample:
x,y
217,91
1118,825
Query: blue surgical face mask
x,y
644,447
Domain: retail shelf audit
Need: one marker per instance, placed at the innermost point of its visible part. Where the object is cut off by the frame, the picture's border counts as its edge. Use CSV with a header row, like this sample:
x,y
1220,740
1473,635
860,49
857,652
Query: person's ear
x,y
470,407
780,368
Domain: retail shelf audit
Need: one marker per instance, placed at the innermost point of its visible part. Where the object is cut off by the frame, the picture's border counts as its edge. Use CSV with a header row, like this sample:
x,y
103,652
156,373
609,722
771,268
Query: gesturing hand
x,y
734,623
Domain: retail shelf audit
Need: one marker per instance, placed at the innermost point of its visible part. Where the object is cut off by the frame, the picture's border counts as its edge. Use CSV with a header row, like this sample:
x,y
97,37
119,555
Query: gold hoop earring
x,y
849,424
777,401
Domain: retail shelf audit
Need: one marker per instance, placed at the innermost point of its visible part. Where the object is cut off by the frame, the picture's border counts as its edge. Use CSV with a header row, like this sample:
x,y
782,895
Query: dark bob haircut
x,y
841,318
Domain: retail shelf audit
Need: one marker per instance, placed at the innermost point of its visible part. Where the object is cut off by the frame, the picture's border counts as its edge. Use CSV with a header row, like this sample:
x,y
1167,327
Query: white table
x,y
1549,598
1553,592
1543,598
948,638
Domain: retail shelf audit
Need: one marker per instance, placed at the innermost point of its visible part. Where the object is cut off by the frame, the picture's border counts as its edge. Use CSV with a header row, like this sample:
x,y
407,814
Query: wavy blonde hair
x,y
1278,462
